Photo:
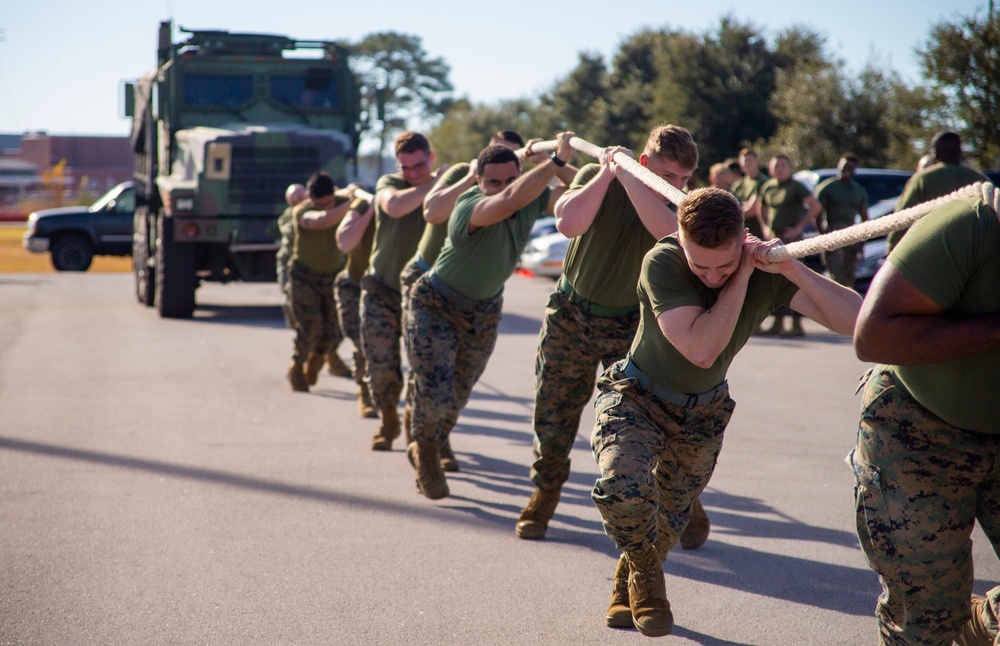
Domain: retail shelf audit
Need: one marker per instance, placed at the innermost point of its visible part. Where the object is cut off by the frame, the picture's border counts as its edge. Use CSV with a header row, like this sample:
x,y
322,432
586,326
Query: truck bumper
x,y
36,245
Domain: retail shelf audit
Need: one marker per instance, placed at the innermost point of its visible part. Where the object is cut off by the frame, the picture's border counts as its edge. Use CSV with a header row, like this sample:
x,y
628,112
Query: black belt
x,y
687,400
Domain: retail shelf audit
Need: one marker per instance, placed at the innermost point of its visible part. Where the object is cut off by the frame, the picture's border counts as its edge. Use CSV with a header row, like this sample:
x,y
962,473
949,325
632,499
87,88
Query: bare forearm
x,y
908,339
440,202
318,220
576,211
515,197
658,218
352,229
830,304
709,333
398,203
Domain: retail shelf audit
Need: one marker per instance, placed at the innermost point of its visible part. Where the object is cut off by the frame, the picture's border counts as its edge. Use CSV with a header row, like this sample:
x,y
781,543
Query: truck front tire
x,y
175,278
72,252
145,274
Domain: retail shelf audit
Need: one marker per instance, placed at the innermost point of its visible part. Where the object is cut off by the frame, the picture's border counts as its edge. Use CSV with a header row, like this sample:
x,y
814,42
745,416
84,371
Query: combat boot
x,y
696,532
647,593
297,378
365,406
336,366
619,611
426,459
387,431
448,460
976,631
408,423
534,520
313,365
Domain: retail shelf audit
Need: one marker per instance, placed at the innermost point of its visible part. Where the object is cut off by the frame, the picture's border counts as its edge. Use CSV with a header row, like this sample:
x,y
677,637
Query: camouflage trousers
x,y
571,346
655,458
450,339
410,274
314,313
921,484
381,328
842,264
348,293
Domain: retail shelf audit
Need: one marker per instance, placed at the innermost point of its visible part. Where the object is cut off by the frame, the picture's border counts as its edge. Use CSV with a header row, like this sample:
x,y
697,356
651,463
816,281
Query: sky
x,y
63,62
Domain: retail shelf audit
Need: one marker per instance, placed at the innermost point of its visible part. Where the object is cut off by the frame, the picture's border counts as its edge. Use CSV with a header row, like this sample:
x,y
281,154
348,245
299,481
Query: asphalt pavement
x,y
161,484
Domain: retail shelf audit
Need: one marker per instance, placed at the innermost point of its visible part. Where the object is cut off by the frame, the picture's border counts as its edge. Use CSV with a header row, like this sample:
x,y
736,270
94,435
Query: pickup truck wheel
x,y
72,253
175,278
145,281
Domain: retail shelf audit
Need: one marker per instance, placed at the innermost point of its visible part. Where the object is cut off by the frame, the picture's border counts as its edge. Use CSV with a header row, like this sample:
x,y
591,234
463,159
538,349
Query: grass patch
x,y
14,258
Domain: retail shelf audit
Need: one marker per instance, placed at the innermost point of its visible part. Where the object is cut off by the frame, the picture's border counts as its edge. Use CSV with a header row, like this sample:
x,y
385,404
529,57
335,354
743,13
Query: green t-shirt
x,y
950,255
316,248
933,182
744,189
786,201
395,238
435,234
667,282
478,264
843,202
603,263
357,258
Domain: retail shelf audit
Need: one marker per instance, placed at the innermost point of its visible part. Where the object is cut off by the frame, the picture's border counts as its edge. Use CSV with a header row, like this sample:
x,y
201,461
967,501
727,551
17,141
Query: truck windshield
x,y
316,89
217,89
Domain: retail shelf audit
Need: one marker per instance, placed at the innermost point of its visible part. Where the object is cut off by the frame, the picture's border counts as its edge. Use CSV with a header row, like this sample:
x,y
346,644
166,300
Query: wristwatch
x,y
555,159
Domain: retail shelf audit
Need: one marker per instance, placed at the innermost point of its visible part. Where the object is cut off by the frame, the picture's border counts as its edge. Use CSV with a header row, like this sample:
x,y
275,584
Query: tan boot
x,y
534,520
619,611
647,594
407,423
336,366
696,532
387,431
297,378
979,629
313,365
427,462
448,460
365,406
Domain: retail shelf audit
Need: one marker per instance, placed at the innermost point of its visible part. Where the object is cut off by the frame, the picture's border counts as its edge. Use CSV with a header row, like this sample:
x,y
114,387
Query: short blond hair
x,y
710,217
675,143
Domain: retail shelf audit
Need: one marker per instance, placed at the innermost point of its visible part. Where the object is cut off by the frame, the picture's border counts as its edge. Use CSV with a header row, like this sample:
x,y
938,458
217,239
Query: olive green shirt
x,y
933,182
435,234
603,263
951,256
667,282
316,249
745,188
786,201
395,238
357,258
478,264
843,202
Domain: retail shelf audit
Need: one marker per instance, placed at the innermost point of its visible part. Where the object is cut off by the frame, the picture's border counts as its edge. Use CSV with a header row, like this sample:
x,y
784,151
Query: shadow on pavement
x,y
252,315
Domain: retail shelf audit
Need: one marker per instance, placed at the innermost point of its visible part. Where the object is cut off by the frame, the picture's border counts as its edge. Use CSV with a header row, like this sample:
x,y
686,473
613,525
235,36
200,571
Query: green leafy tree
x,y
467,128
400,83
962,59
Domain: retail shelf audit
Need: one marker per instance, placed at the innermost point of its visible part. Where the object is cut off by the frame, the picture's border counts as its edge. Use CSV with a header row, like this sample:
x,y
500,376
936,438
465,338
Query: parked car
x,y
544,255
73,235
545,225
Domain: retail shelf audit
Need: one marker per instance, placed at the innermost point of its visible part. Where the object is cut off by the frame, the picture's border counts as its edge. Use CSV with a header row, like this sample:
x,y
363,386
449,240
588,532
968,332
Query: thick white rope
x,y
826,242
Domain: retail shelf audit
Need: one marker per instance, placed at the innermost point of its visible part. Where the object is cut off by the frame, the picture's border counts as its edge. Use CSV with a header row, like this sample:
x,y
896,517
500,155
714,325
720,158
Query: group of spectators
x,y
661,297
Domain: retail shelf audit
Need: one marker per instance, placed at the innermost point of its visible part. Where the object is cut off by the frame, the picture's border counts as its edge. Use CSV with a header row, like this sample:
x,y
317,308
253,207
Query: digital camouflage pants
x,y
921,484
410,274
571,346
842,264
655,458
348,293
314,313
450,339
381,313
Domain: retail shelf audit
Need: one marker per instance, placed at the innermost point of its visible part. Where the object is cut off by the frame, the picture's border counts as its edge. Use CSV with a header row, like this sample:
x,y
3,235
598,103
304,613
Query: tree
x,y
962,59
467,128
399,82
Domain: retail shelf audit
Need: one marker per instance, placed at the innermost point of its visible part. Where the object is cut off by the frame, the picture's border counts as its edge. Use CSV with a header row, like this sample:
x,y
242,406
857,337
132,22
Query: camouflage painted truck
x,y
219,129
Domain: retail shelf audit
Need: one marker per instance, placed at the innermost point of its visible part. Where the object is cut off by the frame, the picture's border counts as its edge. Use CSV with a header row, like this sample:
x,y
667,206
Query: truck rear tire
x,y
72,252
175,278
145,274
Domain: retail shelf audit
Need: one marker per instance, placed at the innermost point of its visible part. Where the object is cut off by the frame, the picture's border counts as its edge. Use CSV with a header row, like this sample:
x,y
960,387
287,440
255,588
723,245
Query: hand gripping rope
x,y
826,242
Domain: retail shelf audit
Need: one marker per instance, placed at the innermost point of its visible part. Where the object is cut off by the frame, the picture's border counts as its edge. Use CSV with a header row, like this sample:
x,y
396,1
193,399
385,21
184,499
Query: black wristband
x,y
555,159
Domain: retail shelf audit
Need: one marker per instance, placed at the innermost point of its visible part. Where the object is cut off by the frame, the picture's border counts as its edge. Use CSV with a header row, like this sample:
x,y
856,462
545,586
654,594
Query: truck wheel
x,y
145,285
175,278
72,253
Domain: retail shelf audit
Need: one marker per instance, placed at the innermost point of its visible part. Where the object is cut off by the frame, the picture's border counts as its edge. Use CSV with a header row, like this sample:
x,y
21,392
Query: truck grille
x,y
259,174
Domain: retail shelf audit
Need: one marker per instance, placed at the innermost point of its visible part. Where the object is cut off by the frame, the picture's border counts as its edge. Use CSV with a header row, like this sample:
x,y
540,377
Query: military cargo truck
x,y
220,128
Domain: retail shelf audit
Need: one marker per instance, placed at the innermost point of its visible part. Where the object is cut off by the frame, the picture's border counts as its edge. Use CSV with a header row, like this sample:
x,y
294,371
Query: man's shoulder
x,y
391,180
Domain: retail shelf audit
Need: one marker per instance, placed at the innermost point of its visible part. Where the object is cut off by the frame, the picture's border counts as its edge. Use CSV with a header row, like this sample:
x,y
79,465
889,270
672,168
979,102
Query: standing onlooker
x,y
747,191
786,206
841,200
945,175
929,440
719,176
294,194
